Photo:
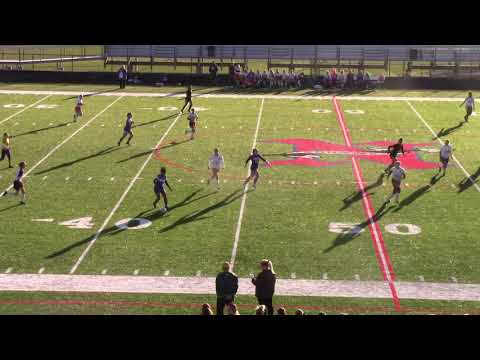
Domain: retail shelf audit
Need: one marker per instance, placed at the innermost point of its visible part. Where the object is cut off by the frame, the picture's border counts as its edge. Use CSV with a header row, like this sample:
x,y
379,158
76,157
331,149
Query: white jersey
x,y
469,101
398,173
446,151
80,101
216,162
192,117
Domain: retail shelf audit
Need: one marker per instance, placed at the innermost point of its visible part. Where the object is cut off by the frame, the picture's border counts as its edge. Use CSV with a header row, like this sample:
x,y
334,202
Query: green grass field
x,y
288,218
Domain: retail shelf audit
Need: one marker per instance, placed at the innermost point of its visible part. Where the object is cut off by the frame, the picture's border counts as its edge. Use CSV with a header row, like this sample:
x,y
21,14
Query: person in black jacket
x,y
265,285
226,286
188,98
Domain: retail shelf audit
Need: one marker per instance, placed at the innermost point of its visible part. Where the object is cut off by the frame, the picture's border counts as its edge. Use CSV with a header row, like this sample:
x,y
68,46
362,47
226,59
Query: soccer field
x,y
318,212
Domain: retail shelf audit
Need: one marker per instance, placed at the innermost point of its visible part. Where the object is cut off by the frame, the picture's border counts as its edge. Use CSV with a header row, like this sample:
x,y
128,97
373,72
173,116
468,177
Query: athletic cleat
x,y
23,202
118,143
154,204
10,166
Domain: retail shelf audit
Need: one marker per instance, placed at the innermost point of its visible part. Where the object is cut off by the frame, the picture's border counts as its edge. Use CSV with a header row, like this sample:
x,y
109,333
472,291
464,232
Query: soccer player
x,y
6,149
255,161
127,130
17,182
469,105
393,150
78,108
188,98
445,154
398,174
192,123
159,188
215,163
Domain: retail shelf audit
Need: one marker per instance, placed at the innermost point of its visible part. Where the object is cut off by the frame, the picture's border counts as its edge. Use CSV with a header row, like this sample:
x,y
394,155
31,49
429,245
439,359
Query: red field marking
x,y
375,231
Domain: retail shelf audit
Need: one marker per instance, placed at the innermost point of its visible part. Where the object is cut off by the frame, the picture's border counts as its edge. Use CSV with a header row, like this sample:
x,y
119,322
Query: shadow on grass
x,y
154,121
468,181
149,151
10,207
354,197
92,94
40,130
445,132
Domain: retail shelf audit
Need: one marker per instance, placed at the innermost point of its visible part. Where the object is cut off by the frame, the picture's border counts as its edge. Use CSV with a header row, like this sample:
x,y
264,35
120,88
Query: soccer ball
x,y
163,210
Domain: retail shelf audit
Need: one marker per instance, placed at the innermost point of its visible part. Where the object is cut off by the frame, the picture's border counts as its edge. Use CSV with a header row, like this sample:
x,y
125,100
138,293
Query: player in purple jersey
x,y
18,183
127,130
255,162
159,187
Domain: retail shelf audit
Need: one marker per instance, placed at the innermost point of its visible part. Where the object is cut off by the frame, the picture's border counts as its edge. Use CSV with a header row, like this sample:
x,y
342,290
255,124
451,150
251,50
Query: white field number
x,y
321,111
80,223
352,228
403,229
133,224
355,112
167,108
345,228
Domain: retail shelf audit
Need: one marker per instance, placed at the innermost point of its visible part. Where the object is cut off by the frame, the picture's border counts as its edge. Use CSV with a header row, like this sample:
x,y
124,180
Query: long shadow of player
x,y
39,130
70,163
200,215
468,181
354,197
345,238
413,196
92,94
445,132
155,121
112,230
149,151
10,207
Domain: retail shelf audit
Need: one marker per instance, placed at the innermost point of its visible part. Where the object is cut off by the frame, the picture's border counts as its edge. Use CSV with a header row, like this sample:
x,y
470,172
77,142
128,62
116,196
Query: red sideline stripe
x,y
375,232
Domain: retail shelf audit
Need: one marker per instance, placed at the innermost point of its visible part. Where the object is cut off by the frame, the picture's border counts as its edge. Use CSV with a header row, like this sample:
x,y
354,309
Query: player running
x,y
393,150
255,162
469,105
159,188
188,98
215,163
127,130
445,154
192,123
6,149
398,174
78,108
18,183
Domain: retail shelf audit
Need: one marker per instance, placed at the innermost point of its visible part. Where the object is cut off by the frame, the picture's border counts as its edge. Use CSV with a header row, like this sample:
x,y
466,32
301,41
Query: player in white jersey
x,y
398,174
469,105
18,183
78,108
445,154
192,123
215,163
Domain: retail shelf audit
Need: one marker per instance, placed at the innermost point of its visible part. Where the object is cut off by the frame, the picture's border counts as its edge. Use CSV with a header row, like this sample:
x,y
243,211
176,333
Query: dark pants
x,y
222,301
268,303
187,101
123,83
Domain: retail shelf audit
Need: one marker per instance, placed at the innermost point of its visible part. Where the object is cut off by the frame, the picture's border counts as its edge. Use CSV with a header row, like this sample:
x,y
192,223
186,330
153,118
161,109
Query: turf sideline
x,y
375,231
244,197
206,285
24,109
117,205
440,141
236,96
66,140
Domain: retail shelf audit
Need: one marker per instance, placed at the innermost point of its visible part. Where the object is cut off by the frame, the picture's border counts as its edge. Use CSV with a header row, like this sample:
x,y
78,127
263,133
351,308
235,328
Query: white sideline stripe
x,y
239,96
440,141
9,270
24,109
65,141
117,205
244,197
206,285
41,270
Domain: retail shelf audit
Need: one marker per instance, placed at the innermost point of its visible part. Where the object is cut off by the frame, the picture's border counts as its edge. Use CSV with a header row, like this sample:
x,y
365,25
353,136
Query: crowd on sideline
x,y
349,80
226,284
242,77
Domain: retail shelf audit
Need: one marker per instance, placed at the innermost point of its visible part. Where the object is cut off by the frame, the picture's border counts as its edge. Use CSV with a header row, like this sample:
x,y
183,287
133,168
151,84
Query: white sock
x,y
23,197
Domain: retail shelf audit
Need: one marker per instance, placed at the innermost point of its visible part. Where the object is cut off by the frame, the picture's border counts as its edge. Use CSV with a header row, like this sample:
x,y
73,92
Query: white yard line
x,y
206,285
440,141
237,96
117,205
24,109
244,197
65,141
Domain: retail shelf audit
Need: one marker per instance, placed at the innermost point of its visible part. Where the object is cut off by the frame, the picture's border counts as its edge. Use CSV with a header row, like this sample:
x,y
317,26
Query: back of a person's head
x,y
281,311
261,310
226,266
206,309
299,312
232,309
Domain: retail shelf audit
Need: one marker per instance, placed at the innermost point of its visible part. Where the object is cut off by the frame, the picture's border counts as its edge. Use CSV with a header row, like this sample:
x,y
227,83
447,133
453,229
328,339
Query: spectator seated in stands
x,y
327,80
232,309
250,79
281,311
261,310
206,310
299,312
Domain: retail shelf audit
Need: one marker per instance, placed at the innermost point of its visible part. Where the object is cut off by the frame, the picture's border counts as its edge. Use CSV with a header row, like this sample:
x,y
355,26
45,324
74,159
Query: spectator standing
x,y
333,76
226,285
265,285
284,79
231,74
122,77
301,80
206,310
278,79
341,79
359,79
366,79
213,70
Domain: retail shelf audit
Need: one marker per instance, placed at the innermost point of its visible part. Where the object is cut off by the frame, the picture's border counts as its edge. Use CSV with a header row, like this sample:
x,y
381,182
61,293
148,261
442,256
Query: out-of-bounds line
x,y
244,197
24,109
66,140
375,231
117,205
440,141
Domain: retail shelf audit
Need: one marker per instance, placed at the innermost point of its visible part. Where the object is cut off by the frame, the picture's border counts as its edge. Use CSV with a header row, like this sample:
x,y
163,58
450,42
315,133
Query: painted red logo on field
x,y
307,152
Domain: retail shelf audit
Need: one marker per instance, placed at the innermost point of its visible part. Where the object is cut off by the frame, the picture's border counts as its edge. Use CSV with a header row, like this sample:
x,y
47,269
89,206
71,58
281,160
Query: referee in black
x,y
226,286
188,98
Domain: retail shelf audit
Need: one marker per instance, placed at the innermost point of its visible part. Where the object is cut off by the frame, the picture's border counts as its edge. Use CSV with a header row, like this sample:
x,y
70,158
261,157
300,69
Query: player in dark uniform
x,y
127,130
188,98
393,150
18,183
6,149
255,162
159,188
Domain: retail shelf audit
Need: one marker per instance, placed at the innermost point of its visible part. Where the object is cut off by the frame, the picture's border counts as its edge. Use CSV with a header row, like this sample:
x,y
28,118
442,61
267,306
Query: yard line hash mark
x,y
24,109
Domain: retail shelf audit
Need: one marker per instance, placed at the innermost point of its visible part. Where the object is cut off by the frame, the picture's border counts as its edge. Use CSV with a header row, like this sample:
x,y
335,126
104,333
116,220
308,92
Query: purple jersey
x,y
255,159
128,124
159,182
19,176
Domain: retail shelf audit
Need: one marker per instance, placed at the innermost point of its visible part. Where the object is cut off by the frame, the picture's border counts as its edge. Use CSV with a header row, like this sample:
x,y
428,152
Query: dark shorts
x,y
393,155
192,124
254,171
396,186
188,99
127,132
78,110
5,152
159,191
17,185
444,161
469,110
